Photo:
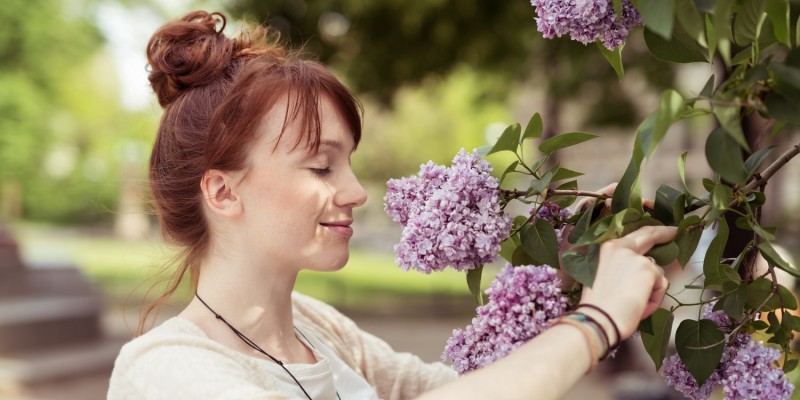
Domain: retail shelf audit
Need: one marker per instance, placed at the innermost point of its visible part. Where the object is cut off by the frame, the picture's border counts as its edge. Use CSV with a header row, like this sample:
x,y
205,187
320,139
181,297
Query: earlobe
x,y
219,194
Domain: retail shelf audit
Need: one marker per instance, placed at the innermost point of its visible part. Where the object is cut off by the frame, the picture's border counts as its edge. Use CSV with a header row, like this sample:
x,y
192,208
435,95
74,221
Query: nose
x,y
352,194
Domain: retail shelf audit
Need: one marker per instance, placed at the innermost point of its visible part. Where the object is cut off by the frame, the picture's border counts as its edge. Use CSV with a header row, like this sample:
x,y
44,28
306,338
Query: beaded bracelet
x,y
610,321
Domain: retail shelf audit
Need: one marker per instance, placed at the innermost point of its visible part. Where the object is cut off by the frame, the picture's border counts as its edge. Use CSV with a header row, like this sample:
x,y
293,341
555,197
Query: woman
x,y
251,174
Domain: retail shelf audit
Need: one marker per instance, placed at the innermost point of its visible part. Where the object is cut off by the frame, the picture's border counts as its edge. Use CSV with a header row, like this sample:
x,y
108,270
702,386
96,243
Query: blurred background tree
x,y
405,57
61,124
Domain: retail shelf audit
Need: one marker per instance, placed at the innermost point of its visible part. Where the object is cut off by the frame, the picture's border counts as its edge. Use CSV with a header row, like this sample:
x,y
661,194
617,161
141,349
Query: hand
x,y
628,285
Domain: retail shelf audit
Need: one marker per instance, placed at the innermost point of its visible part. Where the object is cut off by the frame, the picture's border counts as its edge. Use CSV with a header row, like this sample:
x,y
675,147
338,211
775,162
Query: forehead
x,y
288,127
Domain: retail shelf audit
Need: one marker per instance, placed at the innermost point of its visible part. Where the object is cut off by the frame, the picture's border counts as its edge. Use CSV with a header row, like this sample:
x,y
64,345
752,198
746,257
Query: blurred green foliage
x,y
431,121
60,120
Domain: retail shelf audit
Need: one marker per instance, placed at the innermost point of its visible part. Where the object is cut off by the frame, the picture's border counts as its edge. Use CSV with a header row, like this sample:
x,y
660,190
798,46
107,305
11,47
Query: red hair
x,y
215,92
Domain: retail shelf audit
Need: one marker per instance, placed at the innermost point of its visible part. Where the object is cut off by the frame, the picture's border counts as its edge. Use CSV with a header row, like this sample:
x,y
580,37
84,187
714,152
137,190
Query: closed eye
x,y
321,171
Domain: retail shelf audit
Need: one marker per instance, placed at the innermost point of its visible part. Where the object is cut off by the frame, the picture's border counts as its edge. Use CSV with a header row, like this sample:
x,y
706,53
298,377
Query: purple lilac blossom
x,y
555,215
746,370
522,301
586,21
451,216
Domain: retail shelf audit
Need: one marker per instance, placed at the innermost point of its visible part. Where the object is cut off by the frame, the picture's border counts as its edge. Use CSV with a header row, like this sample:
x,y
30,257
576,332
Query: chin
x,y
333,262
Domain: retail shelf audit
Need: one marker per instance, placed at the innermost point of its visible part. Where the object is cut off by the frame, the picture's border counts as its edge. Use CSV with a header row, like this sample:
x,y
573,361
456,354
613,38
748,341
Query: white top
x,y
177,361
323,380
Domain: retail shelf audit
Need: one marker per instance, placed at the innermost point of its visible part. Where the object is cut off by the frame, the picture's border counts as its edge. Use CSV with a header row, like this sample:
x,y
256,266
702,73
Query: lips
x,y
342,228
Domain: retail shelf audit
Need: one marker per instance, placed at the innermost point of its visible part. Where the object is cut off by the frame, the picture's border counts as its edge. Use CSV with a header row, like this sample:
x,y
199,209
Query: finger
x,y
656,296
648,204
609,189
643,239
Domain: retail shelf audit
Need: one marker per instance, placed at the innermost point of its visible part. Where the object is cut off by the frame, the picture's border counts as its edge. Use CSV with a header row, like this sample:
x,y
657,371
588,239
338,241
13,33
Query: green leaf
x,y
781,108
721,197
711,37
797,32
674,49
666,199
764,233
564,173
509,140
582,267
715,248
734,303
507,248
725,157
687,238
581,226
474,284
534,128
564,140
682,170
722,18
787,81
708,88
759,325
742,56
614,57
700,345
691,21
671,104
790,365
746,22
704,6
754,161
760,293
773,258
657,16
540,242
521,257
664,253
728,116
511,168
656,335
778,13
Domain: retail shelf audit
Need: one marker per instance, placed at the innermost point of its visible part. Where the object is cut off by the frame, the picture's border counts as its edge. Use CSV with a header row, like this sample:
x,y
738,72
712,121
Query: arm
x,y
628,286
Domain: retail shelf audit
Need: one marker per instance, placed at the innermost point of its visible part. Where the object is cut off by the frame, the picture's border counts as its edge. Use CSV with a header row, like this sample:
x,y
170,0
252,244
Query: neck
x,y
253,298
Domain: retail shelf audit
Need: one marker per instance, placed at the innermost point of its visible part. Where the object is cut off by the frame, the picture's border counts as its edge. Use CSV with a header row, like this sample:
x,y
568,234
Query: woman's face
x,y
298,203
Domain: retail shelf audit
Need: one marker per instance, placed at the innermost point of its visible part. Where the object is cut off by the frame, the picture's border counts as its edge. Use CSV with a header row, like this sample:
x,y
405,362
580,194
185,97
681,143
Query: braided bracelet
x,y
610,321
587,319
580,323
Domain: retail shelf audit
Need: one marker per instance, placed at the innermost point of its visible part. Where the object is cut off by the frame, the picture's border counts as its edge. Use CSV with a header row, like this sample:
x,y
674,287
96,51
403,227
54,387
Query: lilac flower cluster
x,y
521,303
555,215
746,371
586,21
451,216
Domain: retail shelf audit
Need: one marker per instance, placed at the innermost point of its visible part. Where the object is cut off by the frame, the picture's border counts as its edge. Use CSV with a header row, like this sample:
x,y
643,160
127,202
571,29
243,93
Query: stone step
x,y
39,322
69,361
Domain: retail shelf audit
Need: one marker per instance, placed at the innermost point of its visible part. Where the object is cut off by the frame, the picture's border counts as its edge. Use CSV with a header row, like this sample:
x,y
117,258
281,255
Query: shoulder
x,y
323,319
178,356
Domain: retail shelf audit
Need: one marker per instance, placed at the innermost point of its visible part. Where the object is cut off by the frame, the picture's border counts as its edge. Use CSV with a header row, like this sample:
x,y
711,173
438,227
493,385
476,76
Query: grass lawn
x,y
125,270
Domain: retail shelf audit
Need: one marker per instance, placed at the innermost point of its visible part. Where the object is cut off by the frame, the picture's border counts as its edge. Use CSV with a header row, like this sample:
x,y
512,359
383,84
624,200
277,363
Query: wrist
x,y
604,321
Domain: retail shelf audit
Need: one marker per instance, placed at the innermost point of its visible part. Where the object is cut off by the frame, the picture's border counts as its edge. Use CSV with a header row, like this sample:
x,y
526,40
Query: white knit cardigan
x,y
176,360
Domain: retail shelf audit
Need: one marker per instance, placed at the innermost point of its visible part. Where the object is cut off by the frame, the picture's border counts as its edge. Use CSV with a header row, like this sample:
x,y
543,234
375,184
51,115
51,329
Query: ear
x,y
219,193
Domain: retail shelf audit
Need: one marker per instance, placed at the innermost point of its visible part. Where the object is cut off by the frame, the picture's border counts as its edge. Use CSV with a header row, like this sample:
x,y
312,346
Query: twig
x,y
772,168
557,192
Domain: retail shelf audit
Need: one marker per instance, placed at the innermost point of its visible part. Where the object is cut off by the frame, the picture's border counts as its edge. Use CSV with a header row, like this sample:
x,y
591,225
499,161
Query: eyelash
x,y
321,171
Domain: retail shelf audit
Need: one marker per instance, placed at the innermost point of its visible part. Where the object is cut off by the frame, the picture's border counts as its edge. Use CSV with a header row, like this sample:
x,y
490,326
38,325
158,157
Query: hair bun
x,y
188,52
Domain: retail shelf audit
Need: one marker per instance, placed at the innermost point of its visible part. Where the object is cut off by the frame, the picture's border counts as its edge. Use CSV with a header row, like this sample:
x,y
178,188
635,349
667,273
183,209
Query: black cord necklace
x,y
259,349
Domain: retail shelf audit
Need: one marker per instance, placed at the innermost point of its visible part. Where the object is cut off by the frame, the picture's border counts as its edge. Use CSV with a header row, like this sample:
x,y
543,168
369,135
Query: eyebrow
x,y
335,144
332,143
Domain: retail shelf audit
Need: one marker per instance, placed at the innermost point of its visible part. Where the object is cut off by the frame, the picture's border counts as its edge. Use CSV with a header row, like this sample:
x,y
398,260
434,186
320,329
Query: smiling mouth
x,y
340,228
